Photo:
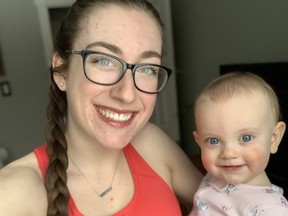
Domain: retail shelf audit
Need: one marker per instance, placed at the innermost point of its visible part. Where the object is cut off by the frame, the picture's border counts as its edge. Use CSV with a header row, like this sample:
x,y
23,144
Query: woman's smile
x,y
118,117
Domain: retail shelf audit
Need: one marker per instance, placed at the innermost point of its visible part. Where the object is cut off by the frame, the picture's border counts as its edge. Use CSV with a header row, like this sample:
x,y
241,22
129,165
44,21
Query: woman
x,y
101,156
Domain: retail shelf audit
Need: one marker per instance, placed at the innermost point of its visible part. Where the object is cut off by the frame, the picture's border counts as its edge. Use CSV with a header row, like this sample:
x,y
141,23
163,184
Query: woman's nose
x,y
125,89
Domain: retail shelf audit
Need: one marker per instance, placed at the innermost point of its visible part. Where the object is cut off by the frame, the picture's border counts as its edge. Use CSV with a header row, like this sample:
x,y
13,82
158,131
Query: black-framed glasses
x,y
105,69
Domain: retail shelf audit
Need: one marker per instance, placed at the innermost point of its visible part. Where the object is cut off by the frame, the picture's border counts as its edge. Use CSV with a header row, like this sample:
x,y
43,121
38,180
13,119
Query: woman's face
x,y
111,115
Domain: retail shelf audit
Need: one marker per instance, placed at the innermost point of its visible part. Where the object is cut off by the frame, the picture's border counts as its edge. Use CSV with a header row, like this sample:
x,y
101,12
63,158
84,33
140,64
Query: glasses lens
x,y
103,69
150,78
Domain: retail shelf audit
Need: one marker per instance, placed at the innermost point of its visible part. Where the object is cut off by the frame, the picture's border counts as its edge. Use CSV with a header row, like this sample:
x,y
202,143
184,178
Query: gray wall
x,y
22,115
208,34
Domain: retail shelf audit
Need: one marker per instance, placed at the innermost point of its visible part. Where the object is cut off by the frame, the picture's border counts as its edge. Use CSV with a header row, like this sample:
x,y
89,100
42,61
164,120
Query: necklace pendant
x,y
105,192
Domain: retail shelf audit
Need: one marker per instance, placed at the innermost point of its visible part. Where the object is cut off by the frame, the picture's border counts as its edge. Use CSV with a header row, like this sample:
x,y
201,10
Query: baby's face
x,y
236,137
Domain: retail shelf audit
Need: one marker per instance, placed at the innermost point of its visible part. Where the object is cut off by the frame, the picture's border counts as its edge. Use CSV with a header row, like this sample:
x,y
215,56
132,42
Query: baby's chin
x,y
233,180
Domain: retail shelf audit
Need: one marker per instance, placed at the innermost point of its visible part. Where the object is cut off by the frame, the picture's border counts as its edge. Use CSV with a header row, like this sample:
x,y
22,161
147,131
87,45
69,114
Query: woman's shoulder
x,y
168,159
156,147
153,140
21,184
151,133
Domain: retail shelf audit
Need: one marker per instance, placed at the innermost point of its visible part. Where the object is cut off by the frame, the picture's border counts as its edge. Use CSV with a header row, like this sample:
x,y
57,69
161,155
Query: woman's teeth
x,y
115,116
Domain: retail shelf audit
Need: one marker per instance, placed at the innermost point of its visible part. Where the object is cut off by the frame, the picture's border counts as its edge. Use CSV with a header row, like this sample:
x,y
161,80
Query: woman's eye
x,y
148,70
213,141
246,138
104,61
99,60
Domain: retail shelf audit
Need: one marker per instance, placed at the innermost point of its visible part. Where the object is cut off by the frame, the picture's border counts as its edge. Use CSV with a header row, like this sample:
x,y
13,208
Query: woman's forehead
x,y
124,27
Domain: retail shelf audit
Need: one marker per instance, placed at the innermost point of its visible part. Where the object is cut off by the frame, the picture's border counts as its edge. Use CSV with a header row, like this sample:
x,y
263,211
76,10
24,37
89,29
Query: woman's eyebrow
x,y
118,51
150,53
106,45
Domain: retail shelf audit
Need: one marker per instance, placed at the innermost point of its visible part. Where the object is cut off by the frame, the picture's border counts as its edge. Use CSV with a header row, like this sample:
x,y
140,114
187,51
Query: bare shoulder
x,y
168,159
22,190
152,133
152,141
154,145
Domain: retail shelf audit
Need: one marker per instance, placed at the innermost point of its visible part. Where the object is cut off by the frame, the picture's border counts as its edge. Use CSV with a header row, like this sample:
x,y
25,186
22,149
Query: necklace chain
x,y
108,189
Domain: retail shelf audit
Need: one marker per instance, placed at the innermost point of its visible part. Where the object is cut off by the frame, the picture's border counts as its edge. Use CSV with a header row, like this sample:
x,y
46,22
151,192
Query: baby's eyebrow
x,y
248,130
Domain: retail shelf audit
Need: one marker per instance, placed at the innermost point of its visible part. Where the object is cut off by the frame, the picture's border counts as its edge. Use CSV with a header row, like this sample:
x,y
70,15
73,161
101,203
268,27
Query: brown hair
x,y
237,83
56,177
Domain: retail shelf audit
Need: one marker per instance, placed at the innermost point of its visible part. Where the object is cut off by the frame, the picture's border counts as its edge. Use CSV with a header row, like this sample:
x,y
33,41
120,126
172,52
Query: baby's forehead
x,y
257,100
224,94
238,97
236,108
241,98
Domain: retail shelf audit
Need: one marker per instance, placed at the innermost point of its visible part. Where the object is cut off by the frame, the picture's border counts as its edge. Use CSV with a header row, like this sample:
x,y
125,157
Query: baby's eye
x,y
213,141
246,138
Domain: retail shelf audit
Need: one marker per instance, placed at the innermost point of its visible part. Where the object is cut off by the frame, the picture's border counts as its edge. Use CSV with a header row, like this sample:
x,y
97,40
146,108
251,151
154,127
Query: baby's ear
x,y
277,135
196,137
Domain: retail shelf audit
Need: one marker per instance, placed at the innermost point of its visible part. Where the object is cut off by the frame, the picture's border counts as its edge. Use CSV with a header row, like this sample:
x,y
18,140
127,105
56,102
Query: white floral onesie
x,y
217,198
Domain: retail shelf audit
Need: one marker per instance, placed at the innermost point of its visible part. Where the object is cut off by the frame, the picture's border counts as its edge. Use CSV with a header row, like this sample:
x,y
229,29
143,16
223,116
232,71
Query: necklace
x,y
107,190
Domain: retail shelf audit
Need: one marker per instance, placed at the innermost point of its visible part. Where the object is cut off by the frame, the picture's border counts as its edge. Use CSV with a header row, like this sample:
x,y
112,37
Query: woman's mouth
x,y
117,117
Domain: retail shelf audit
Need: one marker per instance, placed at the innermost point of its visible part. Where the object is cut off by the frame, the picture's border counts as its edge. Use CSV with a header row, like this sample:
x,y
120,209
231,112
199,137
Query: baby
x,y
238,126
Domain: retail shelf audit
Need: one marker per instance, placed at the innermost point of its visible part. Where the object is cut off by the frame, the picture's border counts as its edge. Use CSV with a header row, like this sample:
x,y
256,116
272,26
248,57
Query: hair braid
x,y
56,177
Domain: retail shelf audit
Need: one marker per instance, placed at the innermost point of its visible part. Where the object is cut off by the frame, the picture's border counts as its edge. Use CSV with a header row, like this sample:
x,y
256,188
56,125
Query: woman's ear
x,y
277,135
59,78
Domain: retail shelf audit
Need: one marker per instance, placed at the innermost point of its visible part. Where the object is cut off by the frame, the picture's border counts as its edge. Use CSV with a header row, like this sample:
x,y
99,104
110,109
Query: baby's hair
x,y
56,176
238,83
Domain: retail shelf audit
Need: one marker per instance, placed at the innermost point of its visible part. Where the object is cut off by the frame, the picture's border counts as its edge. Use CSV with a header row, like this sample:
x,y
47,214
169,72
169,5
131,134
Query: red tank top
x,y
152,196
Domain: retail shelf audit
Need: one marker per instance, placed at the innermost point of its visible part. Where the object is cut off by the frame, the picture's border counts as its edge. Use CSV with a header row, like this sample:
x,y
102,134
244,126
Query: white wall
x,y
210,33
22,115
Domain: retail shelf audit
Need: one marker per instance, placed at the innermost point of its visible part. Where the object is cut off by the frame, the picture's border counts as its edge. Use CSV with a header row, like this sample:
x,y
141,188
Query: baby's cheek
x,y
208,161
257,160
